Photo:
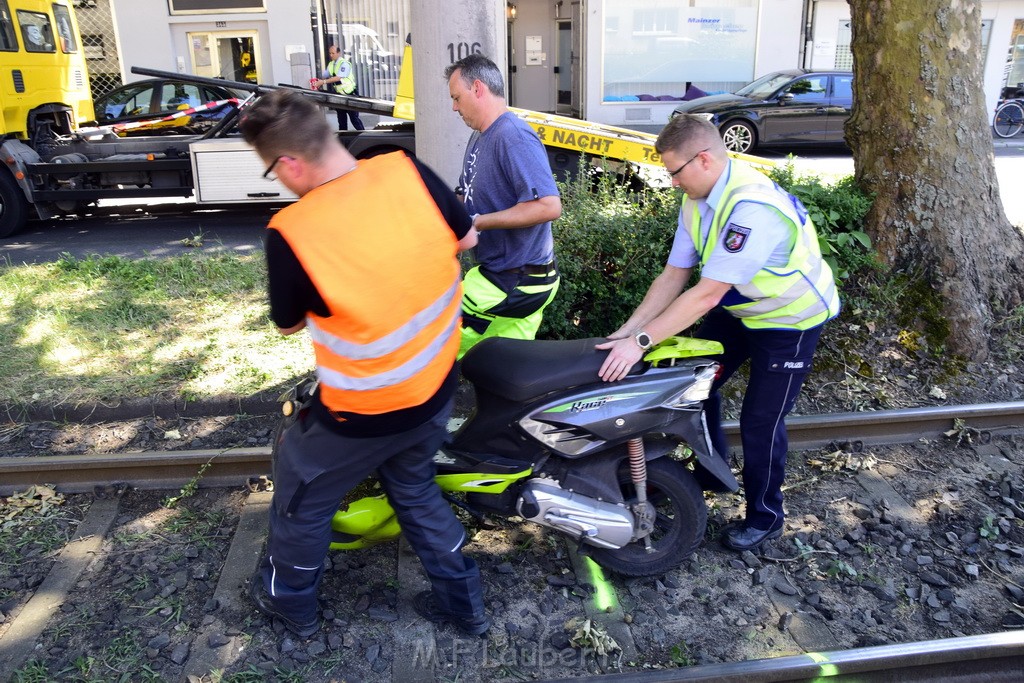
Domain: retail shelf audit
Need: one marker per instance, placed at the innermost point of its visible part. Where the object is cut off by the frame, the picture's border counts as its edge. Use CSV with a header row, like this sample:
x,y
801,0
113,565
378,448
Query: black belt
x,y
530,269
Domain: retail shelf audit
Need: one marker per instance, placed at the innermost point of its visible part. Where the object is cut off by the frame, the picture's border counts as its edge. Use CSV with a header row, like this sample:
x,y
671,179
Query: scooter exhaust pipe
x,y
585,519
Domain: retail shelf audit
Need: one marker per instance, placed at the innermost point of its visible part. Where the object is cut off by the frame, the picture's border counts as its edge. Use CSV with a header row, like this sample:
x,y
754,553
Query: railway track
x,y
971,659
215,643
156,470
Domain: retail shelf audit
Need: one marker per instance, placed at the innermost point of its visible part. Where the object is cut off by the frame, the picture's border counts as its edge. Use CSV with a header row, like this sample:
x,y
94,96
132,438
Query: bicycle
x,y
1009,119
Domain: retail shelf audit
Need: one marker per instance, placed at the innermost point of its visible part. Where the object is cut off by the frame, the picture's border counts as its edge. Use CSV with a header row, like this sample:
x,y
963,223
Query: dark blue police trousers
x,y
317,467
779,362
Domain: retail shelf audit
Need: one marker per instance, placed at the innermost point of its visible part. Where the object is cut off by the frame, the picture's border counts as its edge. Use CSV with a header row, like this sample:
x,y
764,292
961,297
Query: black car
x,y
155,98
794,107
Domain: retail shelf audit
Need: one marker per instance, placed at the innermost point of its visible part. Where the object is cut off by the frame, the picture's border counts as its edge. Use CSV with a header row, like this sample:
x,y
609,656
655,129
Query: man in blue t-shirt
x,y
509,190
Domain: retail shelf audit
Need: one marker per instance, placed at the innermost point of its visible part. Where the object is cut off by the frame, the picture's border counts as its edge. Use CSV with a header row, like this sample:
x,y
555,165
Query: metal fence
x,y
96,24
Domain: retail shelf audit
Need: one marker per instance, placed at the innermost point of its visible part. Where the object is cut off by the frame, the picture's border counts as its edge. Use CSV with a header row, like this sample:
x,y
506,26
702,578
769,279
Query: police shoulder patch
x,y
735,237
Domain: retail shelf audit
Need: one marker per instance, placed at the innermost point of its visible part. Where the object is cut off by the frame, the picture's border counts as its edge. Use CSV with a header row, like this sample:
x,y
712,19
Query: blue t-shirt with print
x,y
503,166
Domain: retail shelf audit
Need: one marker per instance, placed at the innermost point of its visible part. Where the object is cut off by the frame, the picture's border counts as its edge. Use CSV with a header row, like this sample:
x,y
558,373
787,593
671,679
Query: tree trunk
x,y
922,144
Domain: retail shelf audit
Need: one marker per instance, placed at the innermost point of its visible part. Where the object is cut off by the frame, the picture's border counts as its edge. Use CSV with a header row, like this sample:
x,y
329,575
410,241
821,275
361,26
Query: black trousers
x,y
343,116
780,360
317,467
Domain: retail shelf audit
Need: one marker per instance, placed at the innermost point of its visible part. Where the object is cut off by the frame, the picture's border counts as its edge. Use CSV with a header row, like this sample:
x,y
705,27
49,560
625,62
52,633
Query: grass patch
x,y
104,329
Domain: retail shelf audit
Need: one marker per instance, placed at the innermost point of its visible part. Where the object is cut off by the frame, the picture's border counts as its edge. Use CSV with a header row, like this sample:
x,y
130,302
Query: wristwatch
x,y
643,340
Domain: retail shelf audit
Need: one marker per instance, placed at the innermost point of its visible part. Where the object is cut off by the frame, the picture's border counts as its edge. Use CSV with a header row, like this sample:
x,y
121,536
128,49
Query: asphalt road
x,y
163,228
159,228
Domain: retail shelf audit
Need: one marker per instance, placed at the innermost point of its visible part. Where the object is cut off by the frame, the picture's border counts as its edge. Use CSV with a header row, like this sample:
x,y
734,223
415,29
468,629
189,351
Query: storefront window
x,y
227,55
1015,63
655,49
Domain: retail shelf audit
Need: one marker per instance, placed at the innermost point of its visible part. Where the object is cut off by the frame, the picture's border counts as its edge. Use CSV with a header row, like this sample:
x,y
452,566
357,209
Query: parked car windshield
x,y
764,86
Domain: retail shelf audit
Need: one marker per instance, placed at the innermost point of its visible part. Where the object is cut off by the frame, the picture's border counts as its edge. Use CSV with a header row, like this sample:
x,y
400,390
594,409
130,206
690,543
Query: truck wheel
x,y
13,206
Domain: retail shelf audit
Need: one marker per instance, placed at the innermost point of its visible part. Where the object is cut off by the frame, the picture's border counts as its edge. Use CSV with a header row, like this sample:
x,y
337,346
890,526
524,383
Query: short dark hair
x,y
476,67
284,123
684,129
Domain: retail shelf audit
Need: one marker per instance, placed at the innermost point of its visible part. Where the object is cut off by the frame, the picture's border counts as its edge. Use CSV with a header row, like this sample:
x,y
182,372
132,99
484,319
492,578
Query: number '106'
x,y
457,52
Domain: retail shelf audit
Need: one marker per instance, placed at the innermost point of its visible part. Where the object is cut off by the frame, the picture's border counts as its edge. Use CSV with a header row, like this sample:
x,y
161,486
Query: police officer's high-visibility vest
x,y
343,68
798,295
388,271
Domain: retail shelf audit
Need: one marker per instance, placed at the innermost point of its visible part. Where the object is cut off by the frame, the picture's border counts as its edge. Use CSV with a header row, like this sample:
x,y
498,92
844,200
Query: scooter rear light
x,y
699,391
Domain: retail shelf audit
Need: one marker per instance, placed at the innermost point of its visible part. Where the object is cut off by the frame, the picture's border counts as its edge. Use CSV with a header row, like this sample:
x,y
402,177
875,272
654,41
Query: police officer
x,y
764,292
342,77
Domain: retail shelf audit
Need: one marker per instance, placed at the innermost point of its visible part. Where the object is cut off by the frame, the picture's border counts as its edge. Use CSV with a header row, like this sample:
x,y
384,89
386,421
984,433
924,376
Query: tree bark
x,y
922,144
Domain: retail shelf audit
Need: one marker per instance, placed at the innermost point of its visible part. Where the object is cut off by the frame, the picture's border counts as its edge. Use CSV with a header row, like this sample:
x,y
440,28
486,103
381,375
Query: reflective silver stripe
x,y
412,367
799,289
767,305
814,309
795,291
389,342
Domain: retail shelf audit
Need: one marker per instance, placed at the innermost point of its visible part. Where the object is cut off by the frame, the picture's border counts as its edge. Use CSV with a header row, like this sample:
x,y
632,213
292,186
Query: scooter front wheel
x,y
678,528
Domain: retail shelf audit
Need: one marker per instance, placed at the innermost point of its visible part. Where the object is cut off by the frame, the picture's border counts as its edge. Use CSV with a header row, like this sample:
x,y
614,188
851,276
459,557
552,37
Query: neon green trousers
x,y
488,310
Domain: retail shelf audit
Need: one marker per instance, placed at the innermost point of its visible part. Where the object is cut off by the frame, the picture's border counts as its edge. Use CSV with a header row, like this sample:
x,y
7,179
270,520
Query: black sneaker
x,y
260,598
426,606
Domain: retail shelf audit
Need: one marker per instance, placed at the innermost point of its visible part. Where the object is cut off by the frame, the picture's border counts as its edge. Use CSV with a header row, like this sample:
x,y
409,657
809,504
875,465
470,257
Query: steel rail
x,y
156,470
148,470
900,426
989,658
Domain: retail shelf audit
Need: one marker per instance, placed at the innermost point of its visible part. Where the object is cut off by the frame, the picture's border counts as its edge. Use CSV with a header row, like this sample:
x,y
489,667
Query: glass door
x,y
563,69
231,56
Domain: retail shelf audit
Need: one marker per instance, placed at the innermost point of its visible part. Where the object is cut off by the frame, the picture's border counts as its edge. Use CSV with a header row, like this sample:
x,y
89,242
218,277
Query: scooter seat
x,y
520,369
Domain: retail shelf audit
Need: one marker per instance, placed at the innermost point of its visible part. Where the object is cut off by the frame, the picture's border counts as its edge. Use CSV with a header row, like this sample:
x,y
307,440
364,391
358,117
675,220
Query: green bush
x,y
612,242
838,212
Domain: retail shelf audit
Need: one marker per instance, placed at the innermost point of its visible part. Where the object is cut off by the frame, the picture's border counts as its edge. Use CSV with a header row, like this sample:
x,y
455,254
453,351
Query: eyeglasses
x,y
673,174
269,173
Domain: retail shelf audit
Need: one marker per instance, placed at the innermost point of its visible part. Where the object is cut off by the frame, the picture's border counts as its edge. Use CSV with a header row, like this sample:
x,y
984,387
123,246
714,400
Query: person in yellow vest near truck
x,y
341,77
509,189
766,293
379,293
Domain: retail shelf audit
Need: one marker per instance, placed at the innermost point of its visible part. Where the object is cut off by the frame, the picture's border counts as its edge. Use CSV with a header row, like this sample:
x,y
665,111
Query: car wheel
x,y
739,136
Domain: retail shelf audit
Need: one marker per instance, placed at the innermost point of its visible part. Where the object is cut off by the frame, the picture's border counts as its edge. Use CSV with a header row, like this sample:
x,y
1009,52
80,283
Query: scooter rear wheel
x,y
678,529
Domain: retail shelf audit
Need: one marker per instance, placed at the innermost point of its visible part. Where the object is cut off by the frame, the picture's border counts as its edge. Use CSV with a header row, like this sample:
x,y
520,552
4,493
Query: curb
x,y
1015,141
260,404
263,403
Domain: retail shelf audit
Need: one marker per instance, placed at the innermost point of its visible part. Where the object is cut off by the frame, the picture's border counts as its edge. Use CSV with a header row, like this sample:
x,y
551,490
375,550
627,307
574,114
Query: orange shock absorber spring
x,y
638,471
637,460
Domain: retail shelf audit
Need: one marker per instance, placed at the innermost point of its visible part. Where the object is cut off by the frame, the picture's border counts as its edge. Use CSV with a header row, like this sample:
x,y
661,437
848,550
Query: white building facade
x,y
620,62
242,40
